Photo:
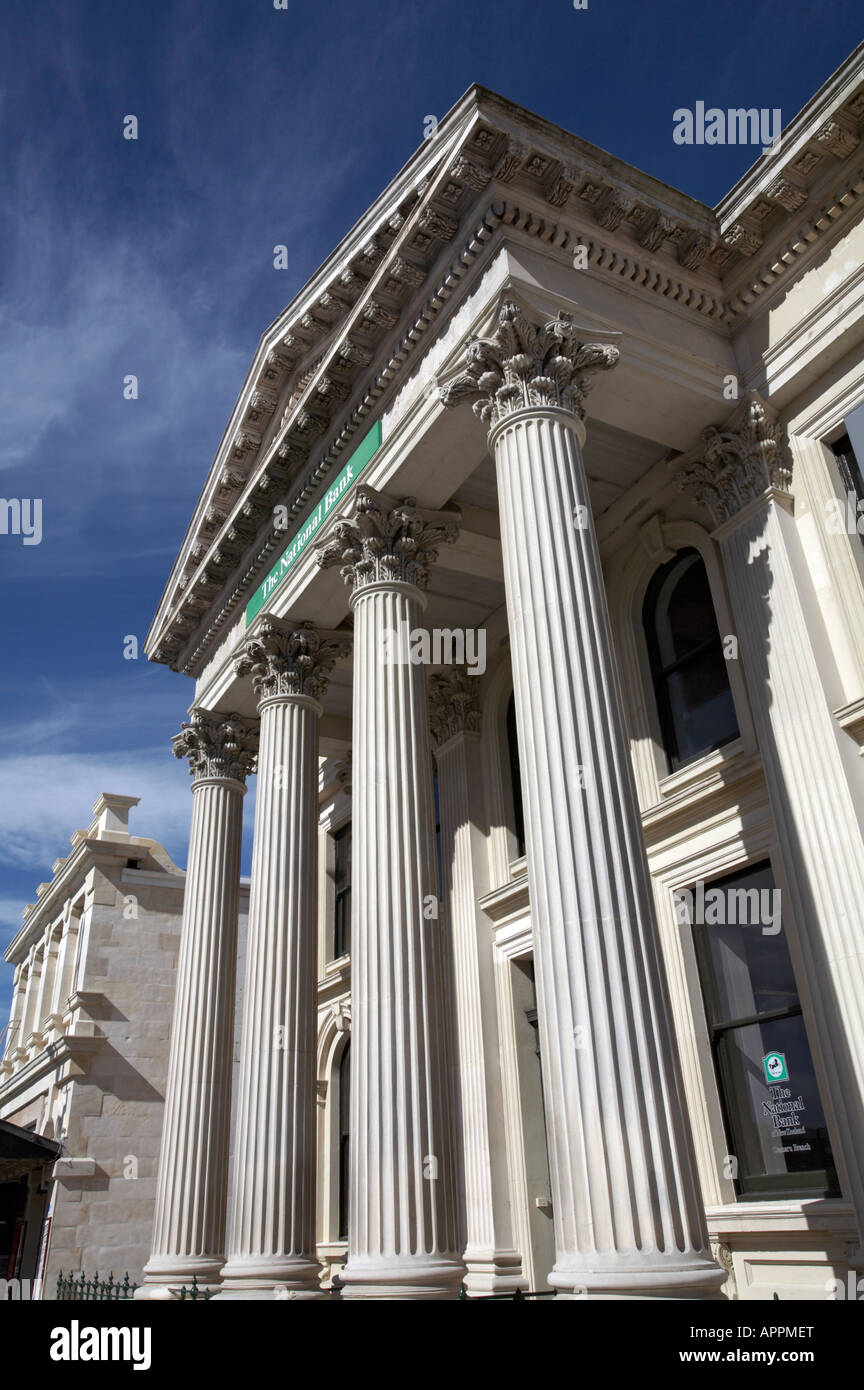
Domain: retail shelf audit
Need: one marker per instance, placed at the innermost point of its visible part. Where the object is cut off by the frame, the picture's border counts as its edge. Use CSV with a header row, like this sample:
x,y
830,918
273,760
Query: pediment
x,y
337,352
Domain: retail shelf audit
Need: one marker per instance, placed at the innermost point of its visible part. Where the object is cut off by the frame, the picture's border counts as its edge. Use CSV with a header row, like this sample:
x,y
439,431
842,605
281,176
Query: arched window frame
x,y
683,562
333,1037
627,586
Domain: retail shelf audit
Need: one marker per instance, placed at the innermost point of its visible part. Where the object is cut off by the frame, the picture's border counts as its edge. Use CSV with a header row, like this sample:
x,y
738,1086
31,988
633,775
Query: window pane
x,y
777,1132
701,705
342,891
691,678
774,1117
685,609
344,1138
752,970
515,777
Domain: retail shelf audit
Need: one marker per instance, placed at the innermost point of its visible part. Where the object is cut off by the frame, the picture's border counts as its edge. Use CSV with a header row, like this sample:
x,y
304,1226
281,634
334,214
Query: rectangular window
x,y
773,1113
342,891
438,838
849,468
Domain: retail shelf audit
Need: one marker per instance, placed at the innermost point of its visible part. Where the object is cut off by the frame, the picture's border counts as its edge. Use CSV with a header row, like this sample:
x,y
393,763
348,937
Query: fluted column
x,y
15,1013
742,477
272,1238
65,967
402,1234
493,1264
191,1193
31,997
627,1211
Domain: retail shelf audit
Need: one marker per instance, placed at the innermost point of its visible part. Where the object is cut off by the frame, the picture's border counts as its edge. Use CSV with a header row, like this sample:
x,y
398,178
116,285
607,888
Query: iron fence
x,y
517,1296
81,1288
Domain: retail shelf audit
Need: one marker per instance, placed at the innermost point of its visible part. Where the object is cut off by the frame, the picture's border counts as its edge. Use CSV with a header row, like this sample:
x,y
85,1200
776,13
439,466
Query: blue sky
x,y
257,126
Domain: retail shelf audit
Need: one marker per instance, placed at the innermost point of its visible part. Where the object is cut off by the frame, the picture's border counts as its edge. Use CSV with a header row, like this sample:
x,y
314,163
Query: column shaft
x,y
627,1209
492,1262
272,1237
189,1225
402,1231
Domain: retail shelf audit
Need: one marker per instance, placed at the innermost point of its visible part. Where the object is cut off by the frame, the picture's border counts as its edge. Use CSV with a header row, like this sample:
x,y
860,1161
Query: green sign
x,y
774,1064
313,522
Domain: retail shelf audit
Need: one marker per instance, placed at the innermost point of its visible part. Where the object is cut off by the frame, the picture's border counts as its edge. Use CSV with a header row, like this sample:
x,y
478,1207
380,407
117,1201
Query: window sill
x,y
803,1214
680,793
700,769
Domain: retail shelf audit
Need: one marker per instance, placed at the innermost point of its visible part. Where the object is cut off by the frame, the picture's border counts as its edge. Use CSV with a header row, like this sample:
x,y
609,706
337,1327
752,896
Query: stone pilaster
x,y
15,1013
493,1264
403,1239
272,1238
65,967
627,1210
191,1194
742,477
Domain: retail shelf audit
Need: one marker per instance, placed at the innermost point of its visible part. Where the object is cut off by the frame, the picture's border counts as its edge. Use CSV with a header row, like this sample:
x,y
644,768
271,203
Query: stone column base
x,y
401,1279
260,1277
164,1277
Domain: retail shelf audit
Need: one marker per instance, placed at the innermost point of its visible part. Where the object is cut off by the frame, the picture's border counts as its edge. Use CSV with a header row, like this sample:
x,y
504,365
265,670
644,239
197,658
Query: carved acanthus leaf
x,y
380,541
290,659
524,365
738,464
217,745
454,706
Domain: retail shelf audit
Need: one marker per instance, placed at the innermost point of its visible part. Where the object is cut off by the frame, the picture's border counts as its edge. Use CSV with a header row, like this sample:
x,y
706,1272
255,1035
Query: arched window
x,y
691,683
515,777
344,1133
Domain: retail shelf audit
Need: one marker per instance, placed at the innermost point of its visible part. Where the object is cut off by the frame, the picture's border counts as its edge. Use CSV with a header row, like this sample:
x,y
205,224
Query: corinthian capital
x,y
524,365
290,658
738,464
454,706
217,745
379,541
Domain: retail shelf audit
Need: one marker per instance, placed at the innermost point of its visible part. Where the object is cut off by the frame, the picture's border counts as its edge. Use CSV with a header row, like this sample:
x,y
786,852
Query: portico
x,y
533,1093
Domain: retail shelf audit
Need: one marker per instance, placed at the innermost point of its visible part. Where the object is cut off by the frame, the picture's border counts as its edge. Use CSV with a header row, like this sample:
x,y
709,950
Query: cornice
x,y
842,92
89,851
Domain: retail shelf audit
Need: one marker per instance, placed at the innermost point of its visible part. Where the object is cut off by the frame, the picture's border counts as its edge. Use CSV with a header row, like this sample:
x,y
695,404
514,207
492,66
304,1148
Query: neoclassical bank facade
x,y
528,580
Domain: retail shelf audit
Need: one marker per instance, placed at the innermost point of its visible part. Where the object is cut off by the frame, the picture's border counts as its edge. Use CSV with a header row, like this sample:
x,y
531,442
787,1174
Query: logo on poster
x,y
774,1064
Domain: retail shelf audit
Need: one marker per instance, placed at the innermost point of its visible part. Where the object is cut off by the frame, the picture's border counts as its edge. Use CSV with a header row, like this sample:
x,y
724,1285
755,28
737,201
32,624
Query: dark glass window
x,y
344,1133
515,777
438,837
342,891
849,469
772,1109
691,683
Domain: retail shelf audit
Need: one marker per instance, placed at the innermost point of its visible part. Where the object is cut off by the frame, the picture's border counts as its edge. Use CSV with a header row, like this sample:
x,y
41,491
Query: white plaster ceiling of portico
x,y
440,457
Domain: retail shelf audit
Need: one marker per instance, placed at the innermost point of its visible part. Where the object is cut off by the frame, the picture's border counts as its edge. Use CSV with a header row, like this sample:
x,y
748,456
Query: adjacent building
x,y
82,1079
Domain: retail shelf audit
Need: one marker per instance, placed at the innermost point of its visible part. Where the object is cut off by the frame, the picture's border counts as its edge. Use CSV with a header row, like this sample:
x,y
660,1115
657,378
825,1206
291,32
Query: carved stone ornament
x,y
523,366
380,541
290,659
217,745
738,464
454,706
